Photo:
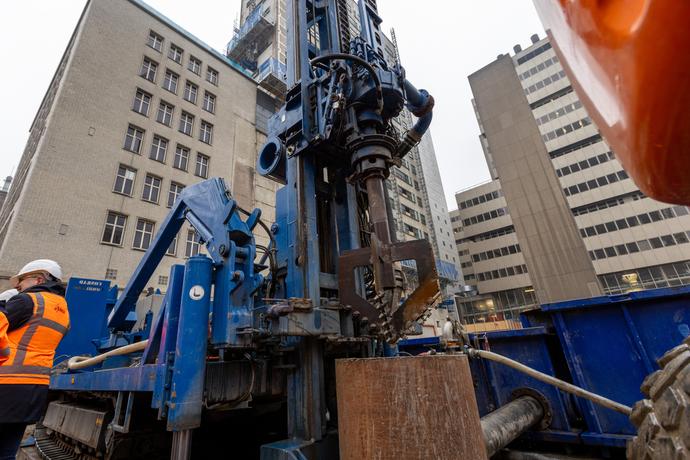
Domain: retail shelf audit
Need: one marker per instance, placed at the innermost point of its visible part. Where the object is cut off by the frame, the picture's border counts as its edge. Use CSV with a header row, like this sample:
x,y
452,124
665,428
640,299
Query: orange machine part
x,y
629,61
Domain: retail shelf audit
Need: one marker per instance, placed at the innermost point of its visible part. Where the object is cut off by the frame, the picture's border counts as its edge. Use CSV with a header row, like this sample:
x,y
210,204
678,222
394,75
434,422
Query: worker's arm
x,y
4,342
18,310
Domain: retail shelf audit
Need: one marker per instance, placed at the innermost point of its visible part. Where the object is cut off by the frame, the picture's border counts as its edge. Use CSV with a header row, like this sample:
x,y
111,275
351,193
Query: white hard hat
x,y
38,266
8,294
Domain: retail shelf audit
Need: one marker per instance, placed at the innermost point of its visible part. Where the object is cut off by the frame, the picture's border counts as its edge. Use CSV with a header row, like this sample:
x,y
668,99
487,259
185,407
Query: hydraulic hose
x,y
421,104
81,362
560,384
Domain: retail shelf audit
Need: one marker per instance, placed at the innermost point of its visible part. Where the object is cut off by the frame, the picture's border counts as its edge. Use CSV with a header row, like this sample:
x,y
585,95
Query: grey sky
x,y
440,41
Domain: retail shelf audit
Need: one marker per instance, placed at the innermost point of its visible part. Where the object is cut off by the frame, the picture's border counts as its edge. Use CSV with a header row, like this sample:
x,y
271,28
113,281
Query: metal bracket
x,y
124,426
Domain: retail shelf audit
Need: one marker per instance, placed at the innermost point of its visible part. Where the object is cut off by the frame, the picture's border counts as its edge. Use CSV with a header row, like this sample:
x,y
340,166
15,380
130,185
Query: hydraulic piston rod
x,y
507,423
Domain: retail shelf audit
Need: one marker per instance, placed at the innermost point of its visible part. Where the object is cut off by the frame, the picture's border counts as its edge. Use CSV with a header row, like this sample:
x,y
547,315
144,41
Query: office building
x,y
580,223
137,110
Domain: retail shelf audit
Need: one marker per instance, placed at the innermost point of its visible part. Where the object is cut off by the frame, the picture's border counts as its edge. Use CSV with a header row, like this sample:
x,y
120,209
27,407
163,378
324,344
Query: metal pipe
x,y
560,384
378,208
421,104
507,423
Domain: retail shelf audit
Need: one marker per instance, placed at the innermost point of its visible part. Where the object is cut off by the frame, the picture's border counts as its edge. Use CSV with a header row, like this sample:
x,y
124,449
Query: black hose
x,y
358,60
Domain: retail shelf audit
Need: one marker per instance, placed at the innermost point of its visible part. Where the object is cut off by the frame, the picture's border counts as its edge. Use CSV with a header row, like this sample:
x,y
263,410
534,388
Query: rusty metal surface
x,y
408,408
391,317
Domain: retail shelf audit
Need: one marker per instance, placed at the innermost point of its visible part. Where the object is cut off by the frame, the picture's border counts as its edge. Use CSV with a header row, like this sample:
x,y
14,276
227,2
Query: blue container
x,y
611,343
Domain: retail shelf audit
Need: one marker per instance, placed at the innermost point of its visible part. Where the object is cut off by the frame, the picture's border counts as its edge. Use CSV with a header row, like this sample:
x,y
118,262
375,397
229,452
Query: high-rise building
x,y
577,219
137,110
418,204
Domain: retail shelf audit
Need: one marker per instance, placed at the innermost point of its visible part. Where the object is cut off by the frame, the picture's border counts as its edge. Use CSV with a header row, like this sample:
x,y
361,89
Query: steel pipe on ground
x,y
507,423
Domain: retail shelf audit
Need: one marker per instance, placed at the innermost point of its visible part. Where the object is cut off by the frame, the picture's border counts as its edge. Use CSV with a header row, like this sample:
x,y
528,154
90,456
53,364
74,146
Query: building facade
x,y
578,218
137,110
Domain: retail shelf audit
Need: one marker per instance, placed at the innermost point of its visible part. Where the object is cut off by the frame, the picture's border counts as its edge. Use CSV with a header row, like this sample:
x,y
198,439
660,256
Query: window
x,y
162,280
668,213
165,113
656,243
142,101
175,53
155,41
201,168
656,216
681,237
192,247
133,139
644,218
186,123
190,91
611,226
114,230
668,240
170,81
644,245
599,253
181,157
632,247
124,182
206,132
212,76
148,69
159,147
194,65
143,234
621,249
110,274
174,192
172,249
209,102
152,188
610,252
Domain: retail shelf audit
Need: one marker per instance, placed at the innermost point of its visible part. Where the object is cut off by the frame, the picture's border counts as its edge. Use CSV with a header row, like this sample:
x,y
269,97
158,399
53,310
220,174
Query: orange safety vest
x,y
4,341
32,346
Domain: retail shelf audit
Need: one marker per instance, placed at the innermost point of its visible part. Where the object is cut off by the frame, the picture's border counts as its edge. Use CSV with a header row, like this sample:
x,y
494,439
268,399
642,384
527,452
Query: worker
x,y
36,320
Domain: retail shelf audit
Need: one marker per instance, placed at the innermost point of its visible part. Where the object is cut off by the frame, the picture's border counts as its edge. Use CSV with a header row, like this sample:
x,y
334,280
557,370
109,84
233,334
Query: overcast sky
x,y
441,42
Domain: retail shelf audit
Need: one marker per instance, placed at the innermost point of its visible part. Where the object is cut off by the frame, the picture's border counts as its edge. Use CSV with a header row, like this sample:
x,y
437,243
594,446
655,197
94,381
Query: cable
x,y
81,362
358,60
565,386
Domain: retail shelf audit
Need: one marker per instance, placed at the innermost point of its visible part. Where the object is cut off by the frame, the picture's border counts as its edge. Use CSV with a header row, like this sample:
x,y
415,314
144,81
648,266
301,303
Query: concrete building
x,y
416,195
137,109
582,225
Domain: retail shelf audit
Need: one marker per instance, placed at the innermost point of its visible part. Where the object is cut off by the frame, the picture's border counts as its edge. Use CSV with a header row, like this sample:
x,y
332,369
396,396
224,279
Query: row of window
x,y
545,82
494,253
595,183
657,276
142,99
480,199
176,54
585,164
559,112
569,128
634,221
485,216
608,203
410,196
151,189
464,252
502,273
582,143
538,68
551,97
116,224
134,140
166,111
642,245
488,235
465,264
533,53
